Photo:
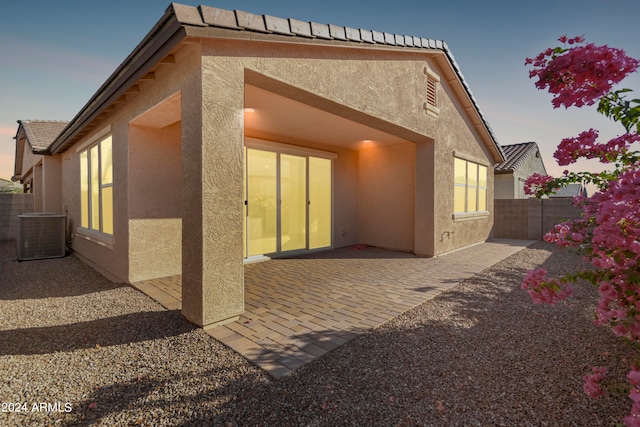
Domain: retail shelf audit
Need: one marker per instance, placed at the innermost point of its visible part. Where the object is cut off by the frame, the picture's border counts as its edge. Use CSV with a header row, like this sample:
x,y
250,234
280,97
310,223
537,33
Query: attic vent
x,y
41,235
431,104
431,92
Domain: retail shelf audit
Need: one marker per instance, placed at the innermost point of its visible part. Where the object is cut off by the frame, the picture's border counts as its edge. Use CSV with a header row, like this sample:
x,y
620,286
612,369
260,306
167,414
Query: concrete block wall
x,y
12,205
557,210
511,218
530,218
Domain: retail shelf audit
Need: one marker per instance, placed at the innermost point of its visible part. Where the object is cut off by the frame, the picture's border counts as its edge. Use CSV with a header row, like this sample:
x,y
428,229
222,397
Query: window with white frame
x,y
96,187
470,186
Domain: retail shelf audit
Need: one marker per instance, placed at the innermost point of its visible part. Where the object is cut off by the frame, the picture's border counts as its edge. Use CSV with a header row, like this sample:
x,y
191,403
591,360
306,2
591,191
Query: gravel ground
x,y
481,353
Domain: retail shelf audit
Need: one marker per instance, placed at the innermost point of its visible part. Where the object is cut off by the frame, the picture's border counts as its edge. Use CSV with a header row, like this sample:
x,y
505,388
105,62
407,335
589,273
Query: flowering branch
x,y
618,108
608,233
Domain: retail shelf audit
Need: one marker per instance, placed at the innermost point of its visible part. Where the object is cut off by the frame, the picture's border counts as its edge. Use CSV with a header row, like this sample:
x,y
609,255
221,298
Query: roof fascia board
x,y
480,122
158,42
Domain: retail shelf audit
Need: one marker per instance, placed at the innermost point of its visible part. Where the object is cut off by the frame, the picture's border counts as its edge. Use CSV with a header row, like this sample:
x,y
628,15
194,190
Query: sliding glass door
x,y
287,202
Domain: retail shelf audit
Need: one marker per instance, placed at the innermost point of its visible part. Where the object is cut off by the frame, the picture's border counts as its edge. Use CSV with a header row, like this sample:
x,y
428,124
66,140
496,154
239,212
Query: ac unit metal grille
x,y
40,236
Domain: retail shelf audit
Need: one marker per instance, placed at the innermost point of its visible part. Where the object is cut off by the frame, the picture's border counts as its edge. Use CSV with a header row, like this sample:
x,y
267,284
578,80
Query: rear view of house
x,y
228,137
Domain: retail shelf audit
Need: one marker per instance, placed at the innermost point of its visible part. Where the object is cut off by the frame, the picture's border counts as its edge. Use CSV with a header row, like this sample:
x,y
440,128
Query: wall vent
x,y
41,235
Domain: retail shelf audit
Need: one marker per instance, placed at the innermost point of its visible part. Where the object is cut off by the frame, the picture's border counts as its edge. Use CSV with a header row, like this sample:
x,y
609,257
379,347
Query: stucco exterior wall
x,y
112,257
532,164
155,246
29,160
212,163
457,137
505,186
386,197
384,90
155,208
345,196
52,184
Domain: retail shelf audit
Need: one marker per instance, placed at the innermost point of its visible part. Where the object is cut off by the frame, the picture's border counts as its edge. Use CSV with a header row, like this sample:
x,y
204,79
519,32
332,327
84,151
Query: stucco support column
x,y
425,203
212,149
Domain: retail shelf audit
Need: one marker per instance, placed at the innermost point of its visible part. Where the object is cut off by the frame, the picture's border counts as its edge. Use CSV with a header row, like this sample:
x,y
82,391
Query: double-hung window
x,y
470,187
96,187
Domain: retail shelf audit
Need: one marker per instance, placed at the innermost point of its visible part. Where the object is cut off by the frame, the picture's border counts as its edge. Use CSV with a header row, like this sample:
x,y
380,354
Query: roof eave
x,y
157,43
483,125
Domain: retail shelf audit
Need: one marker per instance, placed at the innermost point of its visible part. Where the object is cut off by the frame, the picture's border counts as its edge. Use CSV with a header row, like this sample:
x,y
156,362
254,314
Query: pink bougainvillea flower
x,y
543,290
581,74
592,385
608,234
536,182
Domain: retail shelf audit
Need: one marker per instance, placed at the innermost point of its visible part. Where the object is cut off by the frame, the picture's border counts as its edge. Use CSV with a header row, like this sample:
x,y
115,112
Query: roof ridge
x,y
210,16
43,121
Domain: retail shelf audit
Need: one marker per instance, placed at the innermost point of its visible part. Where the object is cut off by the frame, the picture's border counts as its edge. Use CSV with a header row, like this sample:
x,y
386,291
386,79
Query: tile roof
x,y
516,155
41,133
571,190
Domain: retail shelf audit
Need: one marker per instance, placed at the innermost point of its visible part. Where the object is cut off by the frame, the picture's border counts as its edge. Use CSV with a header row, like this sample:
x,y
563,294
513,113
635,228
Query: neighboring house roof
x,y
571,190
181,21
516,155
39,135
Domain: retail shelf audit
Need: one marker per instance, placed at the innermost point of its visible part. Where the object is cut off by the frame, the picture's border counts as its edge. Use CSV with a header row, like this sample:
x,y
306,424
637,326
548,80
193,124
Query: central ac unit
x,y
41,235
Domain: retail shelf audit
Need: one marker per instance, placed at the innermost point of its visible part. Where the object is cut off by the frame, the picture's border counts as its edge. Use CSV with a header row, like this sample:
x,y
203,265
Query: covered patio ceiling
x,y
275,117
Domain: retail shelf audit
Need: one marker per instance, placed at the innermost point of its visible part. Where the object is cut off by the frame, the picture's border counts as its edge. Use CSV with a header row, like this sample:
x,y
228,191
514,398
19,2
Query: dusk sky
x,y
56,53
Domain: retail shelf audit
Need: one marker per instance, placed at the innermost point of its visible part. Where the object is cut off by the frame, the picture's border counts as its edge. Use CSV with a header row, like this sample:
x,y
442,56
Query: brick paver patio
x,y
298,309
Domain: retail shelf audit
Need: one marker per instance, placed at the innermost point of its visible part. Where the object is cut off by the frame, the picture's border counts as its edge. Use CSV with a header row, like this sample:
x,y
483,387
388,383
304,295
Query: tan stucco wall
x,y
365,86
345,196
505,186
52,184
457,136
155,248
29,160
113,259
155,208
212,160
384,90
386,199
